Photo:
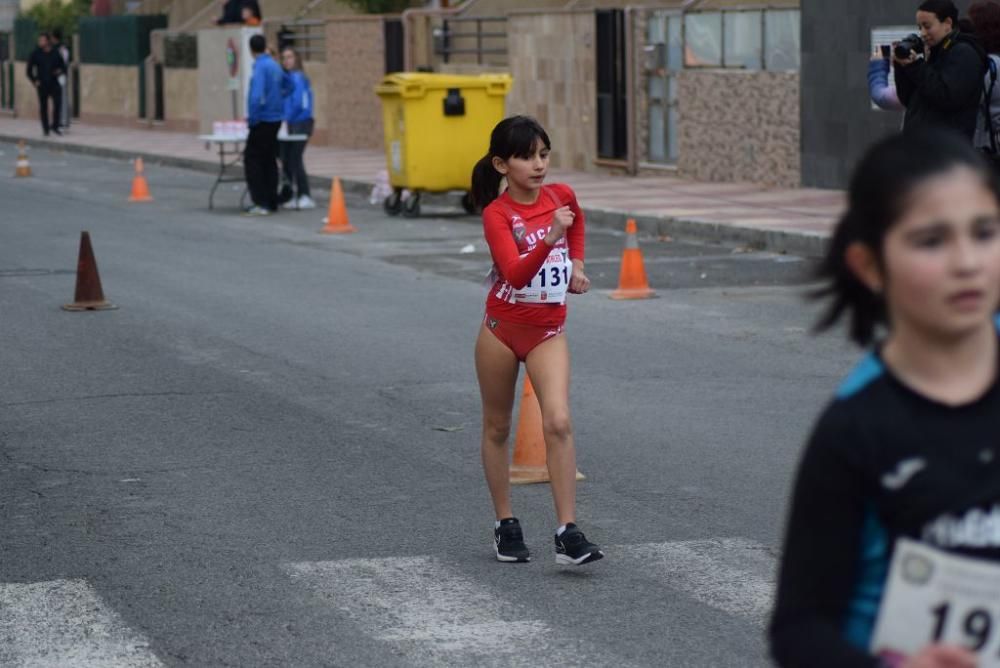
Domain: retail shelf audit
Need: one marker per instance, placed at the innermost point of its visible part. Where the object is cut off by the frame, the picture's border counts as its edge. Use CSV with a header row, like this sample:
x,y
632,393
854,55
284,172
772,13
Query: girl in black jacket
x,y
906,458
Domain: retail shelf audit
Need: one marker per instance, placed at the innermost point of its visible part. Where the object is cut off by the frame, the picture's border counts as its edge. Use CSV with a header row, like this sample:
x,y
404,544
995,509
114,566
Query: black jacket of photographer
x,y
944,91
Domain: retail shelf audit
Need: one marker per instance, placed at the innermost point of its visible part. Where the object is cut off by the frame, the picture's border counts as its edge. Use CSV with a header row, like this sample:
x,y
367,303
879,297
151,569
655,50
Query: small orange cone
x,y
23,166
632,282
529,442
89,295
336,219
140,189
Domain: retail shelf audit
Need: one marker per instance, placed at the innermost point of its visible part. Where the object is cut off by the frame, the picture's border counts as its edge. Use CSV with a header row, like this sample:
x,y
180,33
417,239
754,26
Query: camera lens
x,y
909,43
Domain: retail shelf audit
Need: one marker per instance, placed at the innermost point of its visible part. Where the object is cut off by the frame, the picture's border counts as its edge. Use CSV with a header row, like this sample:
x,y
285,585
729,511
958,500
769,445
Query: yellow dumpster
x,y
437,126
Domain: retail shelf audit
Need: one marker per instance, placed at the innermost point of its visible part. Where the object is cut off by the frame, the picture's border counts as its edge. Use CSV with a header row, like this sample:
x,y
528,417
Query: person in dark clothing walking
x,y
265,111
45,66
942,87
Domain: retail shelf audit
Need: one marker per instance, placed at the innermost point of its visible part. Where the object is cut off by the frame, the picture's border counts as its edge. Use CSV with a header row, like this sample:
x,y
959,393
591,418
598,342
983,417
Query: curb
x,y
776,241
209,165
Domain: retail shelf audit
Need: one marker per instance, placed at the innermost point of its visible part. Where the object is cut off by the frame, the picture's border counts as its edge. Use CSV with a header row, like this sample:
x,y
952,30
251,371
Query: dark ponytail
x,y
878,196
512,137
847,294
485,182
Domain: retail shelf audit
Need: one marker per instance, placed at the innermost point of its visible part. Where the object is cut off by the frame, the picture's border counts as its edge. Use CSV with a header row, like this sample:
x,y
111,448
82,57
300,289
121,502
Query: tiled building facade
x,y
726,123
555,81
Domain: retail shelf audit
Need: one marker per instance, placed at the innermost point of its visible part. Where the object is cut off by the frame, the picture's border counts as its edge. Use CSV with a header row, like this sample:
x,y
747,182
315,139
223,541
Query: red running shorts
x,y
521,339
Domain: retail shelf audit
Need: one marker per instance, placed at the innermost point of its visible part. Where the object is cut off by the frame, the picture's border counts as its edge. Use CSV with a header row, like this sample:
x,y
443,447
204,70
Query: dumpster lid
x,y
416,84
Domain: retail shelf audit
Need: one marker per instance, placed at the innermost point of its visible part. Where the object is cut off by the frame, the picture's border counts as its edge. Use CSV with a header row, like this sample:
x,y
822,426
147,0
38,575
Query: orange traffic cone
x,y
140,189
529,442
632,282
89,295
23,166
336,219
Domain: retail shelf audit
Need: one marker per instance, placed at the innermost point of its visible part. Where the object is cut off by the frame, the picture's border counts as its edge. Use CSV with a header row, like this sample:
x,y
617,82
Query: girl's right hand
x,y
562,220
942,656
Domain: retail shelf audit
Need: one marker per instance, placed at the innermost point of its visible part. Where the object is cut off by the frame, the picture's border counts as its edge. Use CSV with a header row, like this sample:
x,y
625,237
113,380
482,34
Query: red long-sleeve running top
x,y
515,234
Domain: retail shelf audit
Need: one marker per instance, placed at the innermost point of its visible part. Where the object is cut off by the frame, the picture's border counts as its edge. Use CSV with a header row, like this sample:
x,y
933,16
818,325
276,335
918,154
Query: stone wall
x,y
25,97
180,100
109,93
355,63
555,81
739,126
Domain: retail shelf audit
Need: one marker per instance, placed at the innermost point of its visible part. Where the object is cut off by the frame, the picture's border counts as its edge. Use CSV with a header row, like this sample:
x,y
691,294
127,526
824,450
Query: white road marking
x,y
65,623
735,575
437,616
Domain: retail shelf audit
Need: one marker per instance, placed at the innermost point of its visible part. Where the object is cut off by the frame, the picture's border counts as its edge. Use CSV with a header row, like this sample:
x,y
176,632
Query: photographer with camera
x,y
939,73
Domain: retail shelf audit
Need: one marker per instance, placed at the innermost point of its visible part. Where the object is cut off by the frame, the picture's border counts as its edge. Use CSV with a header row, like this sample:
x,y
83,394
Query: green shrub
x,y
52,15
382,6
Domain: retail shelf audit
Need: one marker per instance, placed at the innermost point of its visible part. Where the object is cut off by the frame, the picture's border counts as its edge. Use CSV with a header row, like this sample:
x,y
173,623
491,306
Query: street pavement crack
x,y
122,395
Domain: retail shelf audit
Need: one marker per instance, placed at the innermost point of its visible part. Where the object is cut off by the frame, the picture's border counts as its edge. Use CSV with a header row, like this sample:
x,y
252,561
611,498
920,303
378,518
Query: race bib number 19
x,y
936,597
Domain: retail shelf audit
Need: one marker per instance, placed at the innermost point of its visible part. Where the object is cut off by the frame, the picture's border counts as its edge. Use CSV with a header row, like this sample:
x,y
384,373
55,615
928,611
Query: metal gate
x,y
663,62
612,122
6,73
392,33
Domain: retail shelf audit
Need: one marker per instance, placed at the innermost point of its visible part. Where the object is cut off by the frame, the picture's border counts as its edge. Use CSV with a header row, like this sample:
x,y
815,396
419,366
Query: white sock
x,y
560,530
496,525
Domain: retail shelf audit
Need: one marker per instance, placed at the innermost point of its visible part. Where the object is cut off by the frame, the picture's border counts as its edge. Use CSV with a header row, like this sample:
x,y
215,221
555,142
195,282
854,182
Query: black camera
x,y
911,42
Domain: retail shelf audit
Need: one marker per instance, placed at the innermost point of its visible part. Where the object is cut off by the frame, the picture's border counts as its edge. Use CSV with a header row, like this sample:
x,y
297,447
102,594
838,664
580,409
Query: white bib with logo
x,y
550,283
933,596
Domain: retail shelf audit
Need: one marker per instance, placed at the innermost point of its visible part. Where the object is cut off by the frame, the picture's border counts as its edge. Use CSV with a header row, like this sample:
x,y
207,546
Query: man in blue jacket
x,y
265,111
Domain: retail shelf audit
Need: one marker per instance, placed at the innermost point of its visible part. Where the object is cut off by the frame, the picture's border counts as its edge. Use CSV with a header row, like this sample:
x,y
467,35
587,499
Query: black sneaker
x,y
509,542
573,548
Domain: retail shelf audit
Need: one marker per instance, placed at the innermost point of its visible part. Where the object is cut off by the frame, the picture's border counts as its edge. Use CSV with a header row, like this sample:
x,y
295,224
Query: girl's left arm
x,y
576,236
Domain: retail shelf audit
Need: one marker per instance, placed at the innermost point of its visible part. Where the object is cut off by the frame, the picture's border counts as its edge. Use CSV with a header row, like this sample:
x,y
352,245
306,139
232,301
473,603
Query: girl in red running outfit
x,y
536,237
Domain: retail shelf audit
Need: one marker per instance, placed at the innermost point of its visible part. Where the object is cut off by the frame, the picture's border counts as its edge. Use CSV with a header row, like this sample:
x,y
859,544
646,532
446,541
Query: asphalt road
x,y
268,455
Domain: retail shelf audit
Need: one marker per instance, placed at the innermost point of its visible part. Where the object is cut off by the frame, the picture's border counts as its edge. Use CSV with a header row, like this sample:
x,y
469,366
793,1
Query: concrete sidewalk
x,y
792,220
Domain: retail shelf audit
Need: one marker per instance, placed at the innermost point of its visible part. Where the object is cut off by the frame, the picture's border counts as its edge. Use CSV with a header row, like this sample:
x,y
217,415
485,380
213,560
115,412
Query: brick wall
x,y
552,60
355,63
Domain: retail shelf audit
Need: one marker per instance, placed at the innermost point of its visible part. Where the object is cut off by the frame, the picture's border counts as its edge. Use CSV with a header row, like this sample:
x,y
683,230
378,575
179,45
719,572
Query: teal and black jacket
x,y
883,462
